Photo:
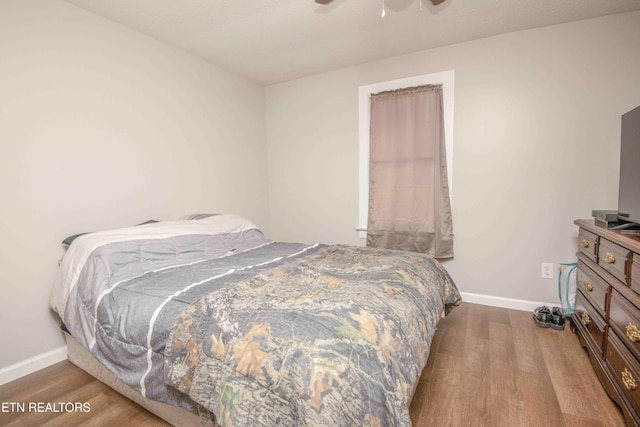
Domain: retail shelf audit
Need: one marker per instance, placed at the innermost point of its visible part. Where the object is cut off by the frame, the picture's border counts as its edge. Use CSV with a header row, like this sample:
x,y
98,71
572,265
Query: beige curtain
x,y
409,206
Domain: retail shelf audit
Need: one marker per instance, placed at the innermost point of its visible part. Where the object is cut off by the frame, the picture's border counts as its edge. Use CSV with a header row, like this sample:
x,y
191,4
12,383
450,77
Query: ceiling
x,y
271,41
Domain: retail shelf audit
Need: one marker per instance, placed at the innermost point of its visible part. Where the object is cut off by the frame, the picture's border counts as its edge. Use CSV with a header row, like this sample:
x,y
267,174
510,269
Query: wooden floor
x,y
488,367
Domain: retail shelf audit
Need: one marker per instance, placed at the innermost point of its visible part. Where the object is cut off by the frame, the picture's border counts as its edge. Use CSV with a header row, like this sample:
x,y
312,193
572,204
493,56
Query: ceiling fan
x,y
435,2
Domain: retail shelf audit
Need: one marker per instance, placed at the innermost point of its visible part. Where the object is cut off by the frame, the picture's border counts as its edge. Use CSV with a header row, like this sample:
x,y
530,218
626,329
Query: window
x,y
446,79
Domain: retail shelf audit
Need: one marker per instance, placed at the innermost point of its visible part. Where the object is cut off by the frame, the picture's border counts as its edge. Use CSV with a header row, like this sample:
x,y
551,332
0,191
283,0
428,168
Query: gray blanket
x,y
130,294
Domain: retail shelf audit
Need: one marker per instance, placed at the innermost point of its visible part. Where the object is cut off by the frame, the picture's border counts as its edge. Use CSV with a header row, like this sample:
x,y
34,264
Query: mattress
x,y
82,358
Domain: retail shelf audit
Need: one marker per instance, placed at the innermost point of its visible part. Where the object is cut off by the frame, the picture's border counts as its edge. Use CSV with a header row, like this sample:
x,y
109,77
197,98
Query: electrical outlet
x,y
547,270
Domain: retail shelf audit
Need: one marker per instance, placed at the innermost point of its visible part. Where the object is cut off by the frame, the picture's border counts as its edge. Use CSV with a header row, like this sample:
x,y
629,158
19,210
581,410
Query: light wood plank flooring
x,y
488,367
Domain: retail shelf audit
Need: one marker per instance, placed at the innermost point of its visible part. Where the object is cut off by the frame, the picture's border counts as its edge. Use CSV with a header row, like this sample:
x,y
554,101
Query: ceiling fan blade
x,y
435,2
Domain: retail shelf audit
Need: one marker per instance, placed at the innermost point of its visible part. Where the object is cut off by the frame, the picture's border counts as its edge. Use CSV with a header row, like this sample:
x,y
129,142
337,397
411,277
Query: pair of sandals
x,y
549,318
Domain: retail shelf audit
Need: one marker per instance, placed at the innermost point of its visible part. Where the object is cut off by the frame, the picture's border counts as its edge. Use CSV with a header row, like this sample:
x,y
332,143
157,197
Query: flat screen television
x,y
629,192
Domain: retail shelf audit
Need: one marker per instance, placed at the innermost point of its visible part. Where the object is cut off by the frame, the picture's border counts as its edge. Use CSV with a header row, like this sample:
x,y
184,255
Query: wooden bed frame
x,y
83,359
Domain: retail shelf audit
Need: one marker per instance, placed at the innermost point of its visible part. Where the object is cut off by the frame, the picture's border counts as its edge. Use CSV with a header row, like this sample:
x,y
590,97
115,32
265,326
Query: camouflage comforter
x,y
336,336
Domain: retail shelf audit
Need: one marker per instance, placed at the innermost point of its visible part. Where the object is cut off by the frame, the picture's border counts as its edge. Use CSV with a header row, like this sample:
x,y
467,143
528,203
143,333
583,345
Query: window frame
x,y
446,79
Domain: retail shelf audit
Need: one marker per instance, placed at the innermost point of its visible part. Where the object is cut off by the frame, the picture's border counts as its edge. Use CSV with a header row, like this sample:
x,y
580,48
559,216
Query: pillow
x,y
198,216
67,242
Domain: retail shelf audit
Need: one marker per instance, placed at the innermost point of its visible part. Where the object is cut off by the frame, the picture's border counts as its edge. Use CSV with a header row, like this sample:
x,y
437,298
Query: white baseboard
x,y
33,364
511,303
49,358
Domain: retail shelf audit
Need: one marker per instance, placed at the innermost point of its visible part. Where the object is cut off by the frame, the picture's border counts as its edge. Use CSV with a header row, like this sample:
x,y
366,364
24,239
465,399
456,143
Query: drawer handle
x,y
610,258
585,319
588,286
632,332
585,243
628,380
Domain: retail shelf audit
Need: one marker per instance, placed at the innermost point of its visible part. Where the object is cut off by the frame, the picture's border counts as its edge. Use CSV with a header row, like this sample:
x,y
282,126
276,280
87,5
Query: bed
x,y
208,321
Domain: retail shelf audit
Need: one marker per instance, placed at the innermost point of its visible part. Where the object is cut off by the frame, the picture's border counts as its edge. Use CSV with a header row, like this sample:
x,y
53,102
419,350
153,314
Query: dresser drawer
x,y
588,244
626,369
593,287
613,258
624,317
591,320
635,272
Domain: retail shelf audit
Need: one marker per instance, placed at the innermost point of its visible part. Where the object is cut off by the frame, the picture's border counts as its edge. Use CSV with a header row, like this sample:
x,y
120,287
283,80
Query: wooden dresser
x,y
607,311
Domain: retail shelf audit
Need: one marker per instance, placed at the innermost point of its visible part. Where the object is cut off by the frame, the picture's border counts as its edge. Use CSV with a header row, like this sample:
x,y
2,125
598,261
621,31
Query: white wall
x,y
102,127
537,129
